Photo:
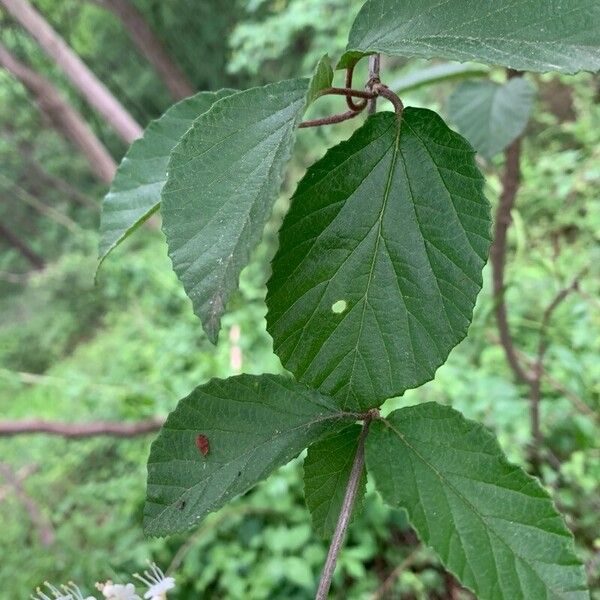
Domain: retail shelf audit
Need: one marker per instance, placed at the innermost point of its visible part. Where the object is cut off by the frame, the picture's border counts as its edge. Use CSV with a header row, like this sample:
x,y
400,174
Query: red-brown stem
x,y
330,120
510,185
80,430
351,104
383,90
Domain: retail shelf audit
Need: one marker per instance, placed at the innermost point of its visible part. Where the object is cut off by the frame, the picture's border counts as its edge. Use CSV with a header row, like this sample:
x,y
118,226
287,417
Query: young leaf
x,y
224,176
322,78
380,260
493,525
135,192
327,469
249,424
527,35
491,115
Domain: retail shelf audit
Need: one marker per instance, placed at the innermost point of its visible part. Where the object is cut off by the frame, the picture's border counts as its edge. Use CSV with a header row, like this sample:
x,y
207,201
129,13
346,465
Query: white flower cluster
x,y
157,587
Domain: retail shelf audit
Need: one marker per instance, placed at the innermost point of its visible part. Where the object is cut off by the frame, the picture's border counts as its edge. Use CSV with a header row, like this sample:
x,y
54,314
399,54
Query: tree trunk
x,y
150,46
94,91
62,116
13,240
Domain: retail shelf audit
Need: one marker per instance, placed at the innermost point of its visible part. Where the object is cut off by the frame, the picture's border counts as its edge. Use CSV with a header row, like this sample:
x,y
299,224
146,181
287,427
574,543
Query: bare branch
x,y
79,430
43,526
91,88
150,46
510,186
65,119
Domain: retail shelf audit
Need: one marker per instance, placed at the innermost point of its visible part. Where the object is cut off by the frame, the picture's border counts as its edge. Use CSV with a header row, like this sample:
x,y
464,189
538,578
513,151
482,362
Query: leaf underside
x,y
491,115
224,177
327,469
134,194
249,424
380,258
492,524
529,35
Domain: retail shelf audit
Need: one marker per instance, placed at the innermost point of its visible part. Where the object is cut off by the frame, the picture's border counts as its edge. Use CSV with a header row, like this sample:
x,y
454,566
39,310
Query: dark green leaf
x,y
252,424
492,524
224,176
135,192
554,35
491,115
327,469
380,260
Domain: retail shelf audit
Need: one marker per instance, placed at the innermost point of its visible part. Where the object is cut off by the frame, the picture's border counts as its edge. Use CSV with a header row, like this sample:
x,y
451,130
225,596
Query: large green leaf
x,y
380,260
492,524
252,424
224,176
135,192
531,35
327,469
491,115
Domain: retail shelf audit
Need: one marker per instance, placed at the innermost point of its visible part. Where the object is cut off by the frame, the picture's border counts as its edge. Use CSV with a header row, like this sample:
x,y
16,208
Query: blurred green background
x,y
130,347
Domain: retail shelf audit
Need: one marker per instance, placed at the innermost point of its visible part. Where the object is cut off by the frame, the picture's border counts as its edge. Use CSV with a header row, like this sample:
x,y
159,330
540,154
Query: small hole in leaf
x,y
339,307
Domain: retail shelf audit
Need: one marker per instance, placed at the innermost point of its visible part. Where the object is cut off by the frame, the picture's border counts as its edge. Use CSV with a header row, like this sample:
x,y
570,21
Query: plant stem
x,y
351,104
350,114
345,512
374,64
384,90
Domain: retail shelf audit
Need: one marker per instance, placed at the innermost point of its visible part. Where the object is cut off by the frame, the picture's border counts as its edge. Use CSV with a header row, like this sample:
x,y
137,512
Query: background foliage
x,y
131,347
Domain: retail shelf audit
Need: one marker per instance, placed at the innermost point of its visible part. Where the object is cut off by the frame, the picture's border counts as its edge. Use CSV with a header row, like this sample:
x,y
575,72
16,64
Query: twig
x,y
351,104
330,120
510,186
79,430
43,526
385,587
383,90
538,365
346,510
374,65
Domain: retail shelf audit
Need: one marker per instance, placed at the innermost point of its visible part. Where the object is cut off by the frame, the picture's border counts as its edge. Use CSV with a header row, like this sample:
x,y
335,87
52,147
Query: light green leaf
x,y
224,177
380,260
327,469
491,115
493,525
435,74
321,79
554,35
135,192
253,424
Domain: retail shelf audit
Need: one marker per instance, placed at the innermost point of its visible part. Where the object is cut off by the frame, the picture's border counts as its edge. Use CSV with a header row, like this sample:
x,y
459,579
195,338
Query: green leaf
x,y
493,525
135,192
327,469
527,34
435,74
491,115
321,79
253,424
224,177
380,260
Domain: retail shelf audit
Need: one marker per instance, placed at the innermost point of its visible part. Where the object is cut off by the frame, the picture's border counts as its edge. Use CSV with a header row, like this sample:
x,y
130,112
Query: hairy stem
x,y
350,114
374,64
384,90
345,512
351,104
